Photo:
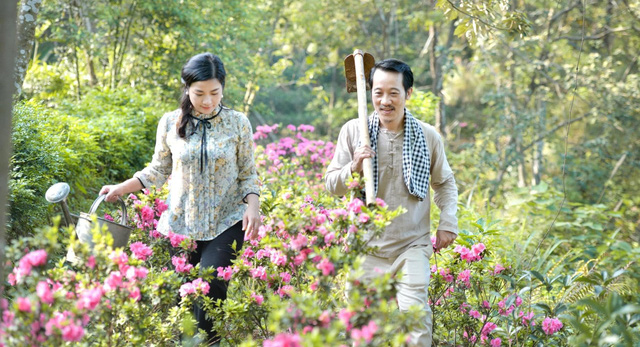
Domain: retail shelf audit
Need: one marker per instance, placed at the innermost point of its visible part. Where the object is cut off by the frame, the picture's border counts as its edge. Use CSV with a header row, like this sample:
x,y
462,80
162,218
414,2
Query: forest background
x,y
538,103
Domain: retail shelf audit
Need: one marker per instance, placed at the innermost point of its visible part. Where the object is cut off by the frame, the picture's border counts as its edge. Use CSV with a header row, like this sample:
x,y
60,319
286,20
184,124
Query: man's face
x,y
389,98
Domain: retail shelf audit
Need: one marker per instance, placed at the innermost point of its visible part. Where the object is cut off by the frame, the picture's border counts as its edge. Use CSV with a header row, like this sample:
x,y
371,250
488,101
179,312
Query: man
x,y
407,156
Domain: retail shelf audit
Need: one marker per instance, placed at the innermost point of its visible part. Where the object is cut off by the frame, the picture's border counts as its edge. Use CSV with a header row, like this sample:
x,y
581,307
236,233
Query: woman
x,y
207,149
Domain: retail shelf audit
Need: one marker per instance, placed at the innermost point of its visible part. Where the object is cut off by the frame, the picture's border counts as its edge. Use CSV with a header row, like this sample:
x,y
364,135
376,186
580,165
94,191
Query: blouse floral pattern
x,y
205,202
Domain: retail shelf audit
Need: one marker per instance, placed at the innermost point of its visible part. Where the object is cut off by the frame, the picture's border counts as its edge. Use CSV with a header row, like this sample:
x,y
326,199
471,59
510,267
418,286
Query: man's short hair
x,y
394,65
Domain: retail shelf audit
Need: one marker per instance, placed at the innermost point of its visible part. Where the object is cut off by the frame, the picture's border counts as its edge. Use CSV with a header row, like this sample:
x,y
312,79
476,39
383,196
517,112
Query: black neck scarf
x,y
205,124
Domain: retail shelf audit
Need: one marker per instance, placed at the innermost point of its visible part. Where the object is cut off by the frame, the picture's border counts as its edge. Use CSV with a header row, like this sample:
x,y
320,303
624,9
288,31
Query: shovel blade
x,y
350,71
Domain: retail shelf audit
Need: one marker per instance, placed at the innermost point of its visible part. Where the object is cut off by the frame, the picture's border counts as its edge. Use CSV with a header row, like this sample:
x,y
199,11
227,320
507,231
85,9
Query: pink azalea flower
x,y
465,276
89,298
147,213
44,292
113,281
497,342
181,264
140,250
284,340
475,314
134,293
551,325
527,319
161,206
24,304
175,239
355,206
225,273
488,328
257,298
498,269
72,332
286,277
363,218
326,266
91,262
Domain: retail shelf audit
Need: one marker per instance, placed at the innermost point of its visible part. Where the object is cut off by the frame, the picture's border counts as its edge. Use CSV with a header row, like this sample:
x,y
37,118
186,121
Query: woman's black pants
x,y
213,254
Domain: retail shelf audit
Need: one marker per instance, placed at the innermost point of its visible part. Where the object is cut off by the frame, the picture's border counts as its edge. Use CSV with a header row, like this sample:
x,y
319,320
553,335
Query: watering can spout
x,y
58,193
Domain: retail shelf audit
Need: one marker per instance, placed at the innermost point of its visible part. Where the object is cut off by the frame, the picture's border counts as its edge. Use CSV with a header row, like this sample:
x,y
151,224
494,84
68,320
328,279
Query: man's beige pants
x,y
413,264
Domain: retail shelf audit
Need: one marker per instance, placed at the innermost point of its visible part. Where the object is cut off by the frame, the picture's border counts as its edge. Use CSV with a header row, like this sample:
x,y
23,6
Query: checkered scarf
x,y
416,160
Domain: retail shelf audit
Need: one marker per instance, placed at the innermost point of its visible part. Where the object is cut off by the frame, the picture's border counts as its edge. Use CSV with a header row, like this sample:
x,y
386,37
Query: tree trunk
x,y
7,88
26,30
537,152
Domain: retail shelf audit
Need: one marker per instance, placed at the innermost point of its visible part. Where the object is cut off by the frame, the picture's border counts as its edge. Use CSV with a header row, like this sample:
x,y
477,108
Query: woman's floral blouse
x,y
203,203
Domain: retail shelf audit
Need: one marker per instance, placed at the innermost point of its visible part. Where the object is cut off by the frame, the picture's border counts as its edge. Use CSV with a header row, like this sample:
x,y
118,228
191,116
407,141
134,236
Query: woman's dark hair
x,y
200,67
394,65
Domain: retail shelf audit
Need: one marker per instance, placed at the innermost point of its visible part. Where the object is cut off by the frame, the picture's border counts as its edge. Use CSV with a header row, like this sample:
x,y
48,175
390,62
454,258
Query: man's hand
x,y
444,239
358,157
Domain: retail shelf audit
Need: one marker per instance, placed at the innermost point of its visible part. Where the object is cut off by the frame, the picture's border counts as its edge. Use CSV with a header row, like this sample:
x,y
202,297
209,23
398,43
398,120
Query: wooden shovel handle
x,y
367,165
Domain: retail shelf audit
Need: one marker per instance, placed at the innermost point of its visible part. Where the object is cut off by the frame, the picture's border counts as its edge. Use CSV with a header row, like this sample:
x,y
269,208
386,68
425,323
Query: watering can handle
x,y
100,199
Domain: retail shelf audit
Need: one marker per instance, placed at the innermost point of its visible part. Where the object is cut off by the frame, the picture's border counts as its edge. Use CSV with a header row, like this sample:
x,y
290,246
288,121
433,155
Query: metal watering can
x,y
120,232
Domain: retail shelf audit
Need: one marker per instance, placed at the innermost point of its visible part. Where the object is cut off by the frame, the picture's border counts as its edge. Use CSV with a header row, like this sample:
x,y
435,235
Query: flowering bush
x,y
298,283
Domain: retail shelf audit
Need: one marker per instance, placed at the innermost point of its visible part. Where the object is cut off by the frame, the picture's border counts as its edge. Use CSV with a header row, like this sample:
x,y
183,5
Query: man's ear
x,y
409,91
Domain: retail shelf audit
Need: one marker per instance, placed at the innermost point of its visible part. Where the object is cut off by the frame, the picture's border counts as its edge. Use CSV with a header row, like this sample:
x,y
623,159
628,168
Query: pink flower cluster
x,y
140,250
365,334
263,130
196,287
181,264
284,340
26,264
472,254
551,325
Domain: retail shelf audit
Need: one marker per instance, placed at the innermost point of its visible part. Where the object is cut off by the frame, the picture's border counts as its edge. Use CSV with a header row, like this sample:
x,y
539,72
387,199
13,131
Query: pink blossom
x,y
44,292
478,248
186,289
363,218
298,242
113,281
497,342
147,213
475,314
498,269
119,258
291,127
181,264
259,272
35,258
278,258
285,290
72,332
345,317
380,202
353,184
488,328
284,340
326,266
108,217
133,197
286,277
89,298
161,206
486,304
134,293
176,239
201,285
24,304
465,276
368,331
91,262
257,298
551,325
518,301
527,319
140,250
306,128
355,206
225,272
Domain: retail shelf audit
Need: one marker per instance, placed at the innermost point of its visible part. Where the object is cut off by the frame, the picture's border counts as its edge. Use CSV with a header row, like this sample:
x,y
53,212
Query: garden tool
x,y
357,67
120,232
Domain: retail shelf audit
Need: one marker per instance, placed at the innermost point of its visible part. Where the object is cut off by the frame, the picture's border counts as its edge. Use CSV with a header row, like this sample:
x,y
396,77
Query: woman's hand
x,y
113,192
251,219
